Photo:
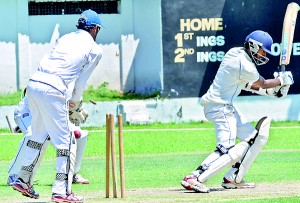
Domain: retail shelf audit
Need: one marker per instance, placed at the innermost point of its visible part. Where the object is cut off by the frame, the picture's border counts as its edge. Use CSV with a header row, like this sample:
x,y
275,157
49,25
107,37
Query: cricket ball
x,y
77,134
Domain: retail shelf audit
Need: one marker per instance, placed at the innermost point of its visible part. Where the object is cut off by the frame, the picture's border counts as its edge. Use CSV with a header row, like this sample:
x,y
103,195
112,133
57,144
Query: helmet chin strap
x,y
257,58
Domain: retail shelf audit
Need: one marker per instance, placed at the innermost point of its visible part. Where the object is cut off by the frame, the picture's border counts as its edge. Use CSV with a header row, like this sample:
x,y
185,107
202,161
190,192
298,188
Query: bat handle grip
x,y
282,68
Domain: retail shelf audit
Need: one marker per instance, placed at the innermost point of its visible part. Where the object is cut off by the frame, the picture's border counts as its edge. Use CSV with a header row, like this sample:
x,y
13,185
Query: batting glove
x,y
78,116
281,91
286,77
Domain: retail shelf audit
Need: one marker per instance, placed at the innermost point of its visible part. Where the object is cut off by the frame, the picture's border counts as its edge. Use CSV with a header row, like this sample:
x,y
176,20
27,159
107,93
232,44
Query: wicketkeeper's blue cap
x,y
91,18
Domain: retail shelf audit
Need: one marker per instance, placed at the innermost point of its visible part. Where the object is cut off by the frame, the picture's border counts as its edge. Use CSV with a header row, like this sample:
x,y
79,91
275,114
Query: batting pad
x,y
81,145
260,141
72,162
234,155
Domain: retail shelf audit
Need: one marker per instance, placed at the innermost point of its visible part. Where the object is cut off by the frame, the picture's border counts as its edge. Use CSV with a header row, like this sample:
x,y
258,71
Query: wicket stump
x,y
110,155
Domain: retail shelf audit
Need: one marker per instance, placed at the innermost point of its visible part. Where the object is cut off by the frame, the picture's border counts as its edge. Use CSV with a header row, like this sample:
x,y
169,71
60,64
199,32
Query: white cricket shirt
x,y
235,71
73,59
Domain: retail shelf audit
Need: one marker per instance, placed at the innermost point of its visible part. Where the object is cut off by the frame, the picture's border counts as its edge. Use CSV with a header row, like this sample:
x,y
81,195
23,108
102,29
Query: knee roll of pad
x,y
263,128
28,168
237,152
63,152
61,176
34,145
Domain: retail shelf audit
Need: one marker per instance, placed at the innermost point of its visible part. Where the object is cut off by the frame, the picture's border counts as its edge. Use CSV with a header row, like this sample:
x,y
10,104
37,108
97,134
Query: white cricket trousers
x,y
229,124
50,116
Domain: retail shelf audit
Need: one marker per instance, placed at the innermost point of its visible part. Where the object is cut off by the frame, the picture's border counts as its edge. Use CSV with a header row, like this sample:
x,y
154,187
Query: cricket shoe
x,y
25,188
227,184
77,178
66,198
190,182
11,179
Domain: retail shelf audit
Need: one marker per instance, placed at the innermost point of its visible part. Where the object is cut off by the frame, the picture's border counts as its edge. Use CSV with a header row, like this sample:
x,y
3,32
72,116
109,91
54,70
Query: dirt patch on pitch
x,y
262,190
217,194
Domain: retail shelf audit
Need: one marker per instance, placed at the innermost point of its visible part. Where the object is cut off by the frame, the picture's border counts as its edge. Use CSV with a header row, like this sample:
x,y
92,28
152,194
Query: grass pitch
x,y
157,157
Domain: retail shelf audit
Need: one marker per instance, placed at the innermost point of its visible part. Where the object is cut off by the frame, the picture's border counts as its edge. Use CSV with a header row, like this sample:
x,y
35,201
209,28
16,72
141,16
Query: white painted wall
x,y
131,42
7,66
186,110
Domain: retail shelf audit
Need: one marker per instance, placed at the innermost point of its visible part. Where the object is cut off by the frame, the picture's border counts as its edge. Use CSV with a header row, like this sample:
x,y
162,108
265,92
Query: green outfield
x,y
158,156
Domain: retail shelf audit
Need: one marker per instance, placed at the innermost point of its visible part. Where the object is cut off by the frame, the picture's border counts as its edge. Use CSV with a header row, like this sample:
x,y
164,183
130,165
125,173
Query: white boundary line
x,y
175,129
187,129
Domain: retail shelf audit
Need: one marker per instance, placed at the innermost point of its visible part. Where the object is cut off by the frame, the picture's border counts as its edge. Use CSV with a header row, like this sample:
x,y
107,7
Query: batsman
x,y
237,72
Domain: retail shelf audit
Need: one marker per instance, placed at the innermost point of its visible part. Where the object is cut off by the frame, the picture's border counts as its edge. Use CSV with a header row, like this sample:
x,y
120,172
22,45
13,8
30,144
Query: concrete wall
x,y
148,61
131,42
182,110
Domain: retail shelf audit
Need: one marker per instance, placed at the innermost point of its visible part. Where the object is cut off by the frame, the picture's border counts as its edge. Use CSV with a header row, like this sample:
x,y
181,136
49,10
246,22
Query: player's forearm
x,y
265,84
270,83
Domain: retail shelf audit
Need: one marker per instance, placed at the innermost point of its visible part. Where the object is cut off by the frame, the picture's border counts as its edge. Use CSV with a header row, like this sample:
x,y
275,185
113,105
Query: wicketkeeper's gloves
x,y
78,116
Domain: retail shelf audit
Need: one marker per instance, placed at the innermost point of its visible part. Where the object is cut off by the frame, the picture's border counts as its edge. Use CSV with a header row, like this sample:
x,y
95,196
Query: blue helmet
x,y
89,18
261,38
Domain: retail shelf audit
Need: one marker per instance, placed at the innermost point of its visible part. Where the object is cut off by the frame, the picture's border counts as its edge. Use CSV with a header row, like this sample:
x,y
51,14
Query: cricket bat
x,y
288,29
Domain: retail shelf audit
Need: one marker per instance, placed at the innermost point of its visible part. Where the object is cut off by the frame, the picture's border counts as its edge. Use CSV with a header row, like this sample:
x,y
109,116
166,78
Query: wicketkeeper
x,y
237,72
53,90
22,117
